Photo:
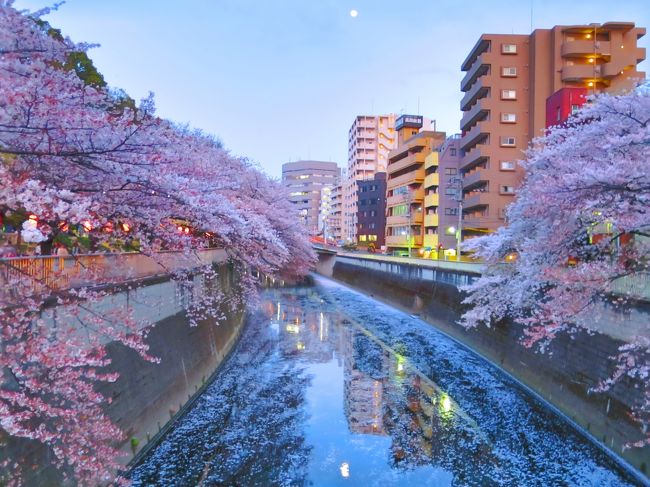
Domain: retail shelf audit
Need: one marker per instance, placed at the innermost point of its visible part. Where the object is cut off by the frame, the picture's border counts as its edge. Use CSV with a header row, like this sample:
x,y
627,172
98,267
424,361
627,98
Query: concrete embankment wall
x,y
563,377
148,395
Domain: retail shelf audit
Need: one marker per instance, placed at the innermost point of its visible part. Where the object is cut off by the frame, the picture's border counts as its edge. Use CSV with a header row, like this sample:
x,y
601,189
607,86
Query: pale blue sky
x,y
279,80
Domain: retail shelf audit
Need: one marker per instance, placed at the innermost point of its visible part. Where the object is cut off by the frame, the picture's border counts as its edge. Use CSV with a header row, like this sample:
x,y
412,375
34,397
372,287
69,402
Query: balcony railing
x,y
473,158
585,48
431,200
431,220
480,67
479,90
432,180
480,111
475,135
408,178
477,199
410,160
474,178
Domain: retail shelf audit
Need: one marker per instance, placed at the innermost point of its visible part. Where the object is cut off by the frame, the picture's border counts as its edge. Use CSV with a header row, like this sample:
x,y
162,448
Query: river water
x,y
328,387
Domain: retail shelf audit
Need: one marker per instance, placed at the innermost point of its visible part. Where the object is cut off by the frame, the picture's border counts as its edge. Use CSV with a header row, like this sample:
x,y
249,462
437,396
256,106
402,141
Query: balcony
x,y
474,136
480,67
416,218
431,220
580,72
476,156
403,241
431,200
474,179
431,160
475,200
432,180
576,49
478,91
478,112
412,177
416,195
410,160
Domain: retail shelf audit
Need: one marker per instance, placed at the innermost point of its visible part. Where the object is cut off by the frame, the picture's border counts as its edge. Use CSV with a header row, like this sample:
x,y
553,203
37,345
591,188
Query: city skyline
x,y
275,67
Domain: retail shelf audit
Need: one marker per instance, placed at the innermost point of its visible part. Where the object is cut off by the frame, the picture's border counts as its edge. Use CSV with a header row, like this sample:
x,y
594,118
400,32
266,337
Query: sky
x,y
283,80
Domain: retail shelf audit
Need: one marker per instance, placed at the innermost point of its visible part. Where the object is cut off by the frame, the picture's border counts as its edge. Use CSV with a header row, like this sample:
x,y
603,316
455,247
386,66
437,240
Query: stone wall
x,y
147,395
564,377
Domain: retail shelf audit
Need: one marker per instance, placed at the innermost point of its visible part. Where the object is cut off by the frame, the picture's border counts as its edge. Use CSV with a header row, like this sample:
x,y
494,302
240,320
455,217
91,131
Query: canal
x,y
329,387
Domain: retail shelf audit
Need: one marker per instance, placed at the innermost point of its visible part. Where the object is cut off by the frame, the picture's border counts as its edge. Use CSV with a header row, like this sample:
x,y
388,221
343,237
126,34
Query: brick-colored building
x,y
508,79
412,185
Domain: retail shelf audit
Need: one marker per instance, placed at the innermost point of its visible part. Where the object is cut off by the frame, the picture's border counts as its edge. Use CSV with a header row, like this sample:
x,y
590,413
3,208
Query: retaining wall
x,y
564,376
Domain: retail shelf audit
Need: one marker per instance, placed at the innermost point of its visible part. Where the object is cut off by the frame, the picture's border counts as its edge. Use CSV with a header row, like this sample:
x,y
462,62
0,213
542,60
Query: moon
x,y
353,13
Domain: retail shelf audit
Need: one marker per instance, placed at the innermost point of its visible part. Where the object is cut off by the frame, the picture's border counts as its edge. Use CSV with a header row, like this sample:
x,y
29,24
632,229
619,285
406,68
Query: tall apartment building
x,y
507,83
370,139
336,212
449,159
412,186
305,180
371,216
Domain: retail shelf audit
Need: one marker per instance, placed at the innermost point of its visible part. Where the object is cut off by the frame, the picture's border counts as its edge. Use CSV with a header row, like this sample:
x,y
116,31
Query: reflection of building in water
x,y
302,331
427,427
364,365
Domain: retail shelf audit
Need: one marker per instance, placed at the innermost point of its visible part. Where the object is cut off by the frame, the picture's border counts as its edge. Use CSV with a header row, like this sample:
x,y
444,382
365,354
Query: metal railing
x,y
47,274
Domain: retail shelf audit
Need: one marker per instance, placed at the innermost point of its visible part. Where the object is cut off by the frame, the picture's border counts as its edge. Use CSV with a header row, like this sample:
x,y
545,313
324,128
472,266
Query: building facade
x,y
370,139
412,185
371,215
564,103
305,181
508,79
450,155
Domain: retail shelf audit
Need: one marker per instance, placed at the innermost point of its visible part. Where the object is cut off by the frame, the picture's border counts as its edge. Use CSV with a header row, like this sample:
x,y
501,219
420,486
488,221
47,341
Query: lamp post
x,y
457,184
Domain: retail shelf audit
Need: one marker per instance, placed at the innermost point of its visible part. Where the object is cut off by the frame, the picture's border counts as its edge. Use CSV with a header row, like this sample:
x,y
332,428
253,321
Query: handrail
x,y
56,272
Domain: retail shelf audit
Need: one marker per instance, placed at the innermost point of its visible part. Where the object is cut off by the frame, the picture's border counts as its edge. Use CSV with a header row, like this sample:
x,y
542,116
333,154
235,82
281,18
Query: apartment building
x,y
508,79
370,139
371,216
412,185
449,157
336,211
305,180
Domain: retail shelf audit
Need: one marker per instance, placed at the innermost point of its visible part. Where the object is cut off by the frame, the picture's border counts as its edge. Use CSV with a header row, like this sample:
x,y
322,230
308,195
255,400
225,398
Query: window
x,y
451,211
373,213
371,226
362,238
508,94
372,238
574,109
508,118
451,171
508,48
453,151
507,189
509,72
507,166
558,114
450,191
400,210
508,141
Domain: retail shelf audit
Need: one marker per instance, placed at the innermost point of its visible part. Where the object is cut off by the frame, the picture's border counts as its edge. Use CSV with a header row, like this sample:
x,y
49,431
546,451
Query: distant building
x,y
336,212
305,180
508,79
412,185
370,139
371,215
450,155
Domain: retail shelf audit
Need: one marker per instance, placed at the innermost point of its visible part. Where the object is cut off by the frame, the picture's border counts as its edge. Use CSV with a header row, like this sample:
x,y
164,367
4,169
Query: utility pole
x,y
457,184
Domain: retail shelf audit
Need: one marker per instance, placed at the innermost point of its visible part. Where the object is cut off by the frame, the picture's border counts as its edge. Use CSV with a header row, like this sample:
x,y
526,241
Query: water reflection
x,y
315,395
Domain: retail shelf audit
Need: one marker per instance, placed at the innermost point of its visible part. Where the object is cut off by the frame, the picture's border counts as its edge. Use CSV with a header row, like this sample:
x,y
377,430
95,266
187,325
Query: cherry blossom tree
x,y
75,154
579,229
